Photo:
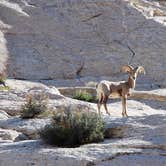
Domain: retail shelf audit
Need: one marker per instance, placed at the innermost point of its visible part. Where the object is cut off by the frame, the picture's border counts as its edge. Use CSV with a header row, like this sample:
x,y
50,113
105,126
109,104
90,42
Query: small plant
x,y
73,129
2,82
2,79
34,106
84,96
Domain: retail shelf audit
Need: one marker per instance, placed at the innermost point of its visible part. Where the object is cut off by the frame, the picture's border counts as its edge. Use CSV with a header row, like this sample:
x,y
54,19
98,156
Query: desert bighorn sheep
x,y
121,89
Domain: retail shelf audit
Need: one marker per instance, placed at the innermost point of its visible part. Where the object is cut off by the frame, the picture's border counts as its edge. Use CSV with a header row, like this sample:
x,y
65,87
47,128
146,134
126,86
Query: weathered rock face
x,y
3,115
29,127
71,38
11,101
12,135
135,140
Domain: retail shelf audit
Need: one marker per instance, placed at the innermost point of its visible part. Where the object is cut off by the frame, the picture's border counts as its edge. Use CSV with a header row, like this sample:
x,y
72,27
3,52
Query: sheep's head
x,y
133,72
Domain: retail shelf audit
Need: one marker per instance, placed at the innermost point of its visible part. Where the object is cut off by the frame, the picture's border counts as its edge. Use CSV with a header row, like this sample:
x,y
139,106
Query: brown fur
x,y
107,89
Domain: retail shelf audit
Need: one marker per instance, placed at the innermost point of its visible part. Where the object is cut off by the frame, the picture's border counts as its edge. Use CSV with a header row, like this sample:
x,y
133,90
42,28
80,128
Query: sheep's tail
x,y
98,92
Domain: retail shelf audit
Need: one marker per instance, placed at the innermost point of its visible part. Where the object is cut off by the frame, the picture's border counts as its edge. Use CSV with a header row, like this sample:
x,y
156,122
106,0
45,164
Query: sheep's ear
x,y
126,69
140,70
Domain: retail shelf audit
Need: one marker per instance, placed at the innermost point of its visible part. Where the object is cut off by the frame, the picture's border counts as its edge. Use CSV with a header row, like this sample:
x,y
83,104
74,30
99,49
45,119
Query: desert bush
x,y
73,129
2,82
35,106
3,79
84,96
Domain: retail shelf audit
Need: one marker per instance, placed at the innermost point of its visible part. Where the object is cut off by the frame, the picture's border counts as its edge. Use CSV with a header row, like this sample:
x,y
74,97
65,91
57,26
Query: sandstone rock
x,y
3,115
136,140
71,91
30,127
7,134
19,86
68,39
11,101
159,94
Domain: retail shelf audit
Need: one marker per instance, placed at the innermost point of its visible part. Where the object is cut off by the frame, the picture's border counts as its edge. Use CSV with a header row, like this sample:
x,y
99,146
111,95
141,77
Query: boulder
x,y
13,135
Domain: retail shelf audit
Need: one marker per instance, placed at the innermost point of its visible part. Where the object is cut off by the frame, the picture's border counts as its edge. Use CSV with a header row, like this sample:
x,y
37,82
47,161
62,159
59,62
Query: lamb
x,y
122,89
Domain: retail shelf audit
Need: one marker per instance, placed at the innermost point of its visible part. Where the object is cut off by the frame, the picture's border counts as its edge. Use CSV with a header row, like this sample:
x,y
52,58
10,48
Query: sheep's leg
x,y
3,83
100,100
99,106
105,104
124,113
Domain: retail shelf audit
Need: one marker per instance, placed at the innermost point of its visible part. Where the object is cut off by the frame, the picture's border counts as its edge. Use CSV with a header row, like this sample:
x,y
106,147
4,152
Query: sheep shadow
x,y
146,128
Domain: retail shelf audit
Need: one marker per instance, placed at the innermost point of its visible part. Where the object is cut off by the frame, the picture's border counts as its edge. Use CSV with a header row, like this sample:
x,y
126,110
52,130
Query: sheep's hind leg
x,y
105,104
99,106
99,103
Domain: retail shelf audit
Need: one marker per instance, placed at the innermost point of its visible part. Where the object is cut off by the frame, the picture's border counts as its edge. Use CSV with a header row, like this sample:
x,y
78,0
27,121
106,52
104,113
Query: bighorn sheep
x,y
106,89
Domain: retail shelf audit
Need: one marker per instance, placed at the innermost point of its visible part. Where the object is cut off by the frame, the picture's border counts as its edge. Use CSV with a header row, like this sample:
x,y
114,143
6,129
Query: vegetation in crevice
x,y
35,107
72,129
84,96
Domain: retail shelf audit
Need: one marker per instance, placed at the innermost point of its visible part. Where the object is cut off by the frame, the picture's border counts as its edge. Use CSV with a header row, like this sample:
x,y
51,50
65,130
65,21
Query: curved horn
x,y
140,69
127,68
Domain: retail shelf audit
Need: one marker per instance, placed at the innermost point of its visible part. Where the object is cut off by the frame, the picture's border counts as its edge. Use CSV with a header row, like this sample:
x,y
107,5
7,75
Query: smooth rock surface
x,y
135,140
30,127
72,38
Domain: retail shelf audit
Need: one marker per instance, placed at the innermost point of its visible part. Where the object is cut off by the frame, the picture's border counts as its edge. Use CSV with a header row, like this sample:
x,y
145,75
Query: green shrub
x,y
73,129
35,106
84,96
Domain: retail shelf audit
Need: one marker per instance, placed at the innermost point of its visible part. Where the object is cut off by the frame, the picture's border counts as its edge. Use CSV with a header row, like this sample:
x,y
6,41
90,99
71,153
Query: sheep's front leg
x,y
3,83
100,100
99,106
124,113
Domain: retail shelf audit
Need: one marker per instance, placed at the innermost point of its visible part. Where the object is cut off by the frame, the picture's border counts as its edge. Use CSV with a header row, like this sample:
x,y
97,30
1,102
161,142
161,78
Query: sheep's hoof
x,y
124,115
108,113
